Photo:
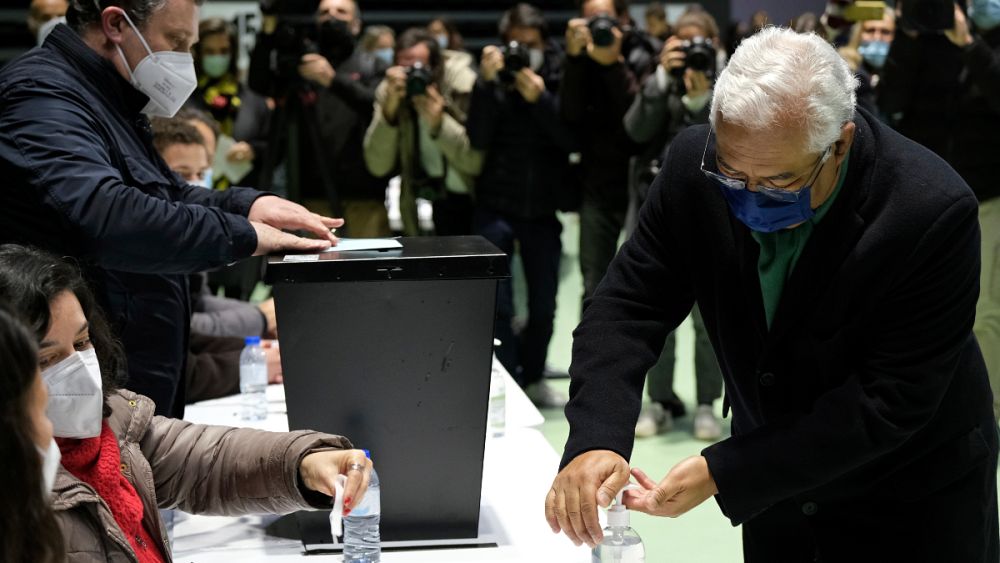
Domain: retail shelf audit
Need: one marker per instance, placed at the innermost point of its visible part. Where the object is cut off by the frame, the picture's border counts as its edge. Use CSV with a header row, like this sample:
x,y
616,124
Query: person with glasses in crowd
x,y
836,265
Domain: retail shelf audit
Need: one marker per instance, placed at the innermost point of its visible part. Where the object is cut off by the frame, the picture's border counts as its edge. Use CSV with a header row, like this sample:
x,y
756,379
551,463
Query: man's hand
x,y
577,37
687,485
316,68
609,55
673,56
273,354
696,82
591,479
319,472
271,319
530,85
430,107
283,214
240,152
960,34
271,240
491,63
395,81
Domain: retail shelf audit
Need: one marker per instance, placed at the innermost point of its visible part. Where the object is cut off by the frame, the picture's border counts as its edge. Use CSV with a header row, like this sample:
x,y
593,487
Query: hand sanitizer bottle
x,y
621,543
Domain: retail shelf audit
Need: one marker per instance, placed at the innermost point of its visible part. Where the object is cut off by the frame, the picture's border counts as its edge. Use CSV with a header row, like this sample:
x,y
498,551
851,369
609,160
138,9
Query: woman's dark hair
x,y
30,279
417,35
30,531
215,26
523,15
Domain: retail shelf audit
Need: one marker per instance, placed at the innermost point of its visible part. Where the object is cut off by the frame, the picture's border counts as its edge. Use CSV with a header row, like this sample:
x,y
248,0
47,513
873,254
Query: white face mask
x,y
50,466
76,396
46,28
167,77
536,58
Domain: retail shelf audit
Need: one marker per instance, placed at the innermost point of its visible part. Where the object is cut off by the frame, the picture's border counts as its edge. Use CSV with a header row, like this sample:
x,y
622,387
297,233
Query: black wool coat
x,y
862,418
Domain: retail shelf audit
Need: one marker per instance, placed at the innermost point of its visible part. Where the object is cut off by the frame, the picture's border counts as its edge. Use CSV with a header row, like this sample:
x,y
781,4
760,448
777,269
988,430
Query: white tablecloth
x,y
518,470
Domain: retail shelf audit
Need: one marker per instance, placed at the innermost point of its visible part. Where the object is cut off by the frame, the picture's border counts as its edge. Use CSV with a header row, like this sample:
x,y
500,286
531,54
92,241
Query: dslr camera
x,y
418,78
515,58
699,55
602,30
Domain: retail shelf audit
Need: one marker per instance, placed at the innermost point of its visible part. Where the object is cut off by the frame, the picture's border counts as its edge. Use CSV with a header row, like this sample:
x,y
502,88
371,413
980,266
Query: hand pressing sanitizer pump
x,y
621,543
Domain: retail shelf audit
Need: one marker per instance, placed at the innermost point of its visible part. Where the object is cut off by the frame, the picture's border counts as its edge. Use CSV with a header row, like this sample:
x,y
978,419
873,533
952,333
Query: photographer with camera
x,y
418,131
941,87
324,87
676,96
514,119
605,60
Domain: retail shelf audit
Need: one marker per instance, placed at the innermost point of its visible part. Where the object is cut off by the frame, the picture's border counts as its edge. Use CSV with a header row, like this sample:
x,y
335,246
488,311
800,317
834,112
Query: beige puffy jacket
x,y
175,464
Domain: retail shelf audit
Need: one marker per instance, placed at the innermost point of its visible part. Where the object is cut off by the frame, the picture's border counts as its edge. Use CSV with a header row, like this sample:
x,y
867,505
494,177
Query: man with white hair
x,y
836,265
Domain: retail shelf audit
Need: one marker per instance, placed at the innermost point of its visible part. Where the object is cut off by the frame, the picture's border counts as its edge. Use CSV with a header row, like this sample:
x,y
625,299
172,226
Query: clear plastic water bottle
x,y
362,541
253,380
498,404
621,543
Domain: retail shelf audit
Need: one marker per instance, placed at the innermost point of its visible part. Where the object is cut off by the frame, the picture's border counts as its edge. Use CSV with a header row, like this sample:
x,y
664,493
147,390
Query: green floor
x,y
701,535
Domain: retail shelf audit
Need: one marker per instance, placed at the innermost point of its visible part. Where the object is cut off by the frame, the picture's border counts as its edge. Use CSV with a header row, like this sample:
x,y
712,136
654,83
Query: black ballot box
x,y
393,349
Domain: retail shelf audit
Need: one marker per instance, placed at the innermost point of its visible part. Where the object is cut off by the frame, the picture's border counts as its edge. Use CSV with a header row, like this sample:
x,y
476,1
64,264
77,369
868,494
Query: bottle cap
x,y
251,341
618,516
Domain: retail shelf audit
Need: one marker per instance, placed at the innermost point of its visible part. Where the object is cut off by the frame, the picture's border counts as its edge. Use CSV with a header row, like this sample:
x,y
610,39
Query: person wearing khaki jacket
x,y
424,137
212,470
119,463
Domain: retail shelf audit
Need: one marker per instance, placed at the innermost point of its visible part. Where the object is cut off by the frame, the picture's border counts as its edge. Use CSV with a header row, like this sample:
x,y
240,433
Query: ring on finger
x,y
356,467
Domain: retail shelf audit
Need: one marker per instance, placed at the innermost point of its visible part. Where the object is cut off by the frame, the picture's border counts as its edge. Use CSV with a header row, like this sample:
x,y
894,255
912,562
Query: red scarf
x,y
97,462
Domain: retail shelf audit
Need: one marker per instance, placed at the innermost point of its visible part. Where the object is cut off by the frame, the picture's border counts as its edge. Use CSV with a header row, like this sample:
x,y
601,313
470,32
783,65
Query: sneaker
x,y
546,397
653,420
706,426
554,373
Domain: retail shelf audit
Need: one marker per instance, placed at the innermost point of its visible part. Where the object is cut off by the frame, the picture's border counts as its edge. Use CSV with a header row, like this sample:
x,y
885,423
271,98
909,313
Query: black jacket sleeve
x,y
70,168
572,94
984,70
645,294
899,76
546,113
484,109
261,75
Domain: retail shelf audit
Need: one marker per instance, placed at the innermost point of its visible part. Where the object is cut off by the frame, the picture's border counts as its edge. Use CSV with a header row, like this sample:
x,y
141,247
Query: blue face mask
x,y
386,55
985,14
767,209
874,53
766,215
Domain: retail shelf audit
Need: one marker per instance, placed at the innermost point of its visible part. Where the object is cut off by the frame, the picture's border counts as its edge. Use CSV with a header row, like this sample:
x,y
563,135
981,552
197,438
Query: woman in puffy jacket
x,y
120,463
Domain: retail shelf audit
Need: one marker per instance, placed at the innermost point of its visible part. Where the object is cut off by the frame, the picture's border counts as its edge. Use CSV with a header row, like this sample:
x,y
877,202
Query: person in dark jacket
x,y
324,110
673,98
840,294
598,86
943,91
514,119
83,179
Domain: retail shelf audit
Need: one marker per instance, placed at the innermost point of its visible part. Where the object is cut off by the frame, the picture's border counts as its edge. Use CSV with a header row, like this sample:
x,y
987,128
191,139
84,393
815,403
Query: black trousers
x,y
540,248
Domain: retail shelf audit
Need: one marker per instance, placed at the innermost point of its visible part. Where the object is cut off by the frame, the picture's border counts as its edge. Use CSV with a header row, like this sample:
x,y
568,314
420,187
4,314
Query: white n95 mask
x,y
76,396
167,77
50,466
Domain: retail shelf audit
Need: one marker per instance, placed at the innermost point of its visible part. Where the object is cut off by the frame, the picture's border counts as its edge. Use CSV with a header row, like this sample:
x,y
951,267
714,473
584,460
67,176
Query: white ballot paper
x,y
349,244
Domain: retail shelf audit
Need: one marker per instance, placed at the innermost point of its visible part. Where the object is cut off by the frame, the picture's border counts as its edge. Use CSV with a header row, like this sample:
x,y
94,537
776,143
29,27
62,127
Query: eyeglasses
x,y
778,194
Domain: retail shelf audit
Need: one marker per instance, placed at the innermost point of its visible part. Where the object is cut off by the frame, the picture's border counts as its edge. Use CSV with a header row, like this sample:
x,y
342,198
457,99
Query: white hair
x,y
780,78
